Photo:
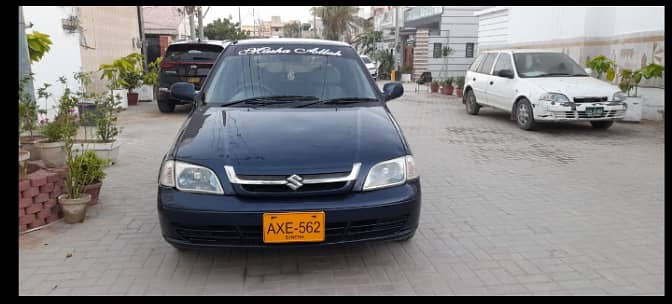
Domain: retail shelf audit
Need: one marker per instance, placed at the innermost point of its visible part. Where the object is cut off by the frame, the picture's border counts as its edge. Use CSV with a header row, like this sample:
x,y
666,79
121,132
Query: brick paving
x,y
564,210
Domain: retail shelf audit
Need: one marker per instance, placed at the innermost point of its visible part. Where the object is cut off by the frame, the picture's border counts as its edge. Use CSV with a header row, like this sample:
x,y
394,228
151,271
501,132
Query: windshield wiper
x,y
342,100
558,74
269,100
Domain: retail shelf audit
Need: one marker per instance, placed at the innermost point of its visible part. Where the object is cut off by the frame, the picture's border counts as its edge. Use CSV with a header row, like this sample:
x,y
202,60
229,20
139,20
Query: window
x,y
437,50
474,65
503,63
469,50
486,66
547,64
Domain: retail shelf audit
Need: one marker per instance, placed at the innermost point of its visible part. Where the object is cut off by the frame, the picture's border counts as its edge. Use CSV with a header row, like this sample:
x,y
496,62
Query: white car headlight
x,y
618,96
190,178
391,173
556,97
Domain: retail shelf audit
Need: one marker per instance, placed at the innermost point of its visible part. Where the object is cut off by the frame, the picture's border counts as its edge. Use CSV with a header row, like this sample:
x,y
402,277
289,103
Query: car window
x,y
546,64
251,75
487,63
503,63
477,61
192,52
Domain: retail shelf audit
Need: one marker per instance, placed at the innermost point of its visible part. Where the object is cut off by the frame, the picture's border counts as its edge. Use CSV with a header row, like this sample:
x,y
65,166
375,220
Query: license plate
x,y
194,80
290,227
593,112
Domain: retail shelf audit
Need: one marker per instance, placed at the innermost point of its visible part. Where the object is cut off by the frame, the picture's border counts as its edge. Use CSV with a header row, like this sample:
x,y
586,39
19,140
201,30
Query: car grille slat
x,y
252,235
590,99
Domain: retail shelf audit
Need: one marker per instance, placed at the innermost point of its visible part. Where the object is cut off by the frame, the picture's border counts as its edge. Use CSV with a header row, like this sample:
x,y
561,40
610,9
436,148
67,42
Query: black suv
x,y
185,61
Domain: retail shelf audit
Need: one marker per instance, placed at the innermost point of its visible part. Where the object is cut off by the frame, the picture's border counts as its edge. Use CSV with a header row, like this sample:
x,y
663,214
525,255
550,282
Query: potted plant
x,y
448,87
629,82
28,121
51,150
435,86
601,65
75,201
91,168
459,85
406,72
86,105
106,145
149,79
126,72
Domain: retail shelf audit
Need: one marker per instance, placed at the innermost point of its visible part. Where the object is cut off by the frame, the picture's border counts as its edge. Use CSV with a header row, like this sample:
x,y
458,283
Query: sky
x,y
286,13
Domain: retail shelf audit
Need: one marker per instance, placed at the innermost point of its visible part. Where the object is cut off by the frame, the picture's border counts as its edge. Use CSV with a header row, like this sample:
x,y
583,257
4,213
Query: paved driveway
x,y
564,210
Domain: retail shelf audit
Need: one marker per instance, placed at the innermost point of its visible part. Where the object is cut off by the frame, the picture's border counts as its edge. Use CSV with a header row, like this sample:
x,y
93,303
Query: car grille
x,y
590,99
284,189
582,114
252,235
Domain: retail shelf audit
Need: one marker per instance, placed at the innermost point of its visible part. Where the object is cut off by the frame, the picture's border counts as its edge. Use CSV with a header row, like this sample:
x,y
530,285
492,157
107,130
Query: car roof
x,y
516,51
209,42
290,41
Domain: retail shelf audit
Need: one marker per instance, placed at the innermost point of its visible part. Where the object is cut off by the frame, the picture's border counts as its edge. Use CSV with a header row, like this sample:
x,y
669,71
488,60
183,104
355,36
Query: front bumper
x,y
204,220
569,111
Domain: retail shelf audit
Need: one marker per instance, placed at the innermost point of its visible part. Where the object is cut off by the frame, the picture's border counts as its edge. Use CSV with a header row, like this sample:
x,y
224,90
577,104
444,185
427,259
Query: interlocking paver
x,y
563,210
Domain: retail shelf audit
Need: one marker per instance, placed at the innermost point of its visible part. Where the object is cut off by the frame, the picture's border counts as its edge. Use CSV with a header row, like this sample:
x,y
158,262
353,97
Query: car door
x,y
501,87
481,78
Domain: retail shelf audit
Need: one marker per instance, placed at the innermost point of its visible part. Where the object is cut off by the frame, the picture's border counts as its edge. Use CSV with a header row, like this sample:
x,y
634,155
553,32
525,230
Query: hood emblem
x,y
294,182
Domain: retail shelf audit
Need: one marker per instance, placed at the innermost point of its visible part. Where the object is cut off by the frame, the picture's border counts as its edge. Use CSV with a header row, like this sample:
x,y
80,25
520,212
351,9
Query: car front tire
x,y
166,107
525,116
602,125
470,103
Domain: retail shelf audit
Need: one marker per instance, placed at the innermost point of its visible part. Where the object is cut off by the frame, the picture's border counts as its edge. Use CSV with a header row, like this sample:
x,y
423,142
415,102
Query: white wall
x,y
63,59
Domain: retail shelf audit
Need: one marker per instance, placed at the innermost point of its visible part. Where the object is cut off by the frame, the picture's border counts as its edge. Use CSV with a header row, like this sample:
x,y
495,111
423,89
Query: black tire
x,y
602,125
166,107
524,115
470,103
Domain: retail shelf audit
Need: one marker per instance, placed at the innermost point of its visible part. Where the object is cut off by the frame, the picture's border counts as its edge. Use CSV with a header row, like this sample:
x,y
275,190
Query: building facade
x,y
424,32
631,36
162,26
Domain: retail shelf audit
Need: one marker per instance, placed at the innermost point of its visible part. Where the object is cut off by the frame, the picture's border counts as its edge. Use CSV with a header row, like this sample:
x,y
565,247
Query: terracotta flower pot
x,y
435,87
52,153
448,90
74,210
132,99
459,92
94,191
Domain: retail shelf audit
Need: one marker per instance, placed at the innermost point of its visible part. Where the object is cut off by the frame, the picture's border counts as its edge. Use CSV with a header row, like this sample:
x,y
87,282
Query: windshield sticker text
x,y
269,51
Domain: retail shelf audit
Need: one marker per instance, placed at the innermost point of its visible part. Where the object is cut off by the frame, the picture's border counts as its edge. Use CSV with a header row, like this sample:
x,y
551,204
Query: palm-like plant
x,y
366,41
337,20
292,30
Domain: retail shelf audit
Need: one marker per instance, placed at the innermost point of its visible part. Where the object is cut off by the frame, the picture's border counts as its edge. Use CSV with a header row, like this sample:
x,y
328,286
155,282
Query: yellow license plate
x,y
194,79
290,227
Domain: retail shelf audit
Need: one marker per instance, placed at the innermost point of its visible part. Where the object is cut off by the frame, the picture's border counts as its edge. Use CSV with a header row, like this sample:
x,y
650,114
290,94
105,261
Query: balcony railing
x,y
420,12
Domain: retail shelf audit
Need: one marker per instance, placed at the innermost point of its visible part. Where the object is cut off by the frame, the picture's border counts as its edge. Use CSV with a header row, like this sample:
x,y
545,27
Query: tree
x,y
337,20
291,30
223,29
365,42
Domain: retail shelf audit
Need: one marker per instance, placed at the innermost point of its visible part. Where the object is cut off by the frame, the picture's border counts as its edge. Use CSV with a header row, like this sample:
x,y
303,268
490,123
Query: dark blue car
x,y
289,143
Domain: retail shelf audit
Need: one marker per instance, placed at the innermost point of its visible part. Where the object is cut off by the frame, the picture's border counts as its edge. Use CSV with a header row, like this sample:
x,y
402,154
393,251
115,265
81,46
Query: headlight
x,y
391,173
618,96
189,177
556,97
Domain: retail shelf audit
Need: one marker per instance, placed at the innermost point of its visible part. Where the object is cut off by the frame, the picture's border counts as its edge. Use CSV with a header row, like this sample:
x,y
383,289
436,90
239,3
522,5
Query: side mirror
x,y
505,74
589,71
392,90
183,91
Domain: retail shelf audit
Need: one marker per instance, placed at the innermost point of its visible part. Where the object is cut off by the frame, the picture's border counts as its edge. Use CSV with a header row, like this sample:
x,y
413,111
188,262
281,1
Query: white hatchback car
x,y
370,65
538,86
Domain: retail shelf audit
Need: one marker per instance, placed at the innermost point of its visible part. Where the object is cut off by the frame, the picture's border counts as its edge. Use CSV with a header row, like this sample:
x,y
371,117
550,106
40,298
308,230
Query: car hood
x,y
575,86
277,141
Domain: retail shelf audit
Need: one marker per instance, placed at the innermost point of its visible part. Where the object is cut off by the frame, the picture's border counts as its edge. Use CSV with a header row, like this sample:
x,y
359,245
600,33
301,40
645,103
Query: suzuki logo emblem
x,y
194,66
294,182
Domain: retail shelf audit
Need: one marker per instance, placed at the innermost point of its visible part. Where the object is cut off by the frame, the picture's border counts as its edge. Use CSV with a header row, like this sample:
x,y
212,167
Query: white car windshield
x,y
546,65
241,77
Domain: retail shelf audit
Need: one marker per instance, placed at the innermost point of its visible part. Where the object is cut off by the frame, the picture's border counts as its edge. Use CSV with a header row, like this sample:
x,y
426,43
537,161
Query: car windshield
x,y
546,65
192,52
277,76
366,59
